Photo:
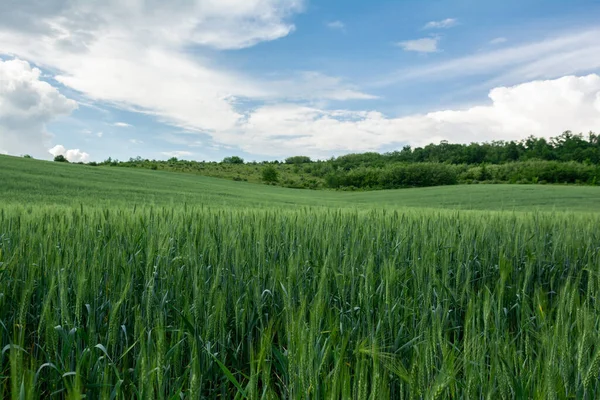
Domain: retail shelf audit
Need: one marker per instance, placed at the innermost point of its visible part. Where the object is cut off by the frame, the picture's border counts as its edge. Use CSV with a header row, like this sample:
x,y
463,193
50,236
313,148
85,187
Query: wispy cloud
x,y
498,40
424,45
336,25
135,141
122,125
443,24
569,53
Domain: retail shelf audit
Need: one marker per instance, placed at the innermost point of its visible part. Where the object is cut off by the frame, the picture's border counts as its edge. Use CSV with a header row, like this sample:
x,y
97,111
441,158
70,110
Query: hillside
x,y
32,182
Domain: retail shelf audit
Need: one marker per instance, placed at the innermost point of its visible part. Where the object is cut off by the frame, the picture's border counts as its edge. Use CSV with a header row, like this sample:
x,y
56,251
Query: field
x,y
139,284
32,182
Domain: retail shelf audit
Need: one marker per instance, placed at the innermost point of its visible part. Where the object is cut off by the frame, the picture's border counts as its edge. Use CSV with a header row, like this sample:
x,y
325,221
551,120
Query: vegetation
x,y
169,302
60,158
298,160
39,183
233,160
270,174
568,158
124,283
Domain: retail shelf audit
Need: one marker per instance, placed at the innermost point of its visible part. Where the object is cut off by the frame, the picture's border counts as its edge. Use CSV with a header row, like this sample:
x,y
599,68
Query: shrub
x,y
233,160
270,174
298,160
61,158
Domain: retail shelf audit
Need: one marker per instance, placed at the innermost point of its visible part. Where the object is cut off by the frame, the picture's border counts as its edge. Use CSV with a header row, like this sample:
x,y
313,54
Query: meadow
x,y
148,284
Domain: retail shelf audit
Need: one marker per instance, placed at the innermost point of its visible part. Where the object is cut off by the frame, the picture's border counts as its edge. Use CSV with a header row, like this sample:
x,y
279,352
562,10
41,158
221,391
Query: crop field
x,y
148,284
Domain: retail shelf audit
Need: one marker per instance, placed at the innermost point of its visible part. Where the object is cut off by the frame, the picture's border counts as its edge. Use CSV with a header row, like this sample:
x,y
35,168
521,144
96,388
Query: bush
x,y
233,160
298,160
270,174
61,158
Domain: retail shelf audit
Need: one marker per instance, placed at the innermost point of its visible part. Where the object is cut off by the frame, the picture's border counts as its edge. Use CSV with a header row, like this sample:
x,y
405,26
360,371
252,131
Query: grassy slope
x,y
24,181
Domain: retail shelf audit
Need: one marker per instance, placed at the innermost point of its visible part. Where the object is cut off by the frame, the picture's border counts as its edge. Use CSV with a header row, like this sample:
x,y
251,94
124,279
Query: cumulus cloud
x,y
540,108
27,104
443,24
424,45
122,125
133,54
72,155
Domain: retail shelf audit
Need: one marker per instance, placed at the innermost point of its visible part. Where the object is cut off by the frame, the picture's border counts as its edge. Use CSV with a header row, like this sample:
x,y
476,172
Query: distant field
x,y
230,290
24,181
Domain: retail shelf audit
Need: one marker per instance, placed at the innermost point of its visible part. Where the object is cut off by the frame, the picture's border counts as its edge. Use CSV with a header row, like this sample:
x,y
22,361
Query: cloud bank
x,y
27,104
73,155
539,108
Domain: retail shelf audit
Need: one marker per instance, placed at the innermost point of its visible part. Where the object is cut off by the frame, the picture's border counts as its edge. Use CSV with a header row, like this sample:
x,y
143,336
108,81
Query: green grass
x,y
25,181
250,291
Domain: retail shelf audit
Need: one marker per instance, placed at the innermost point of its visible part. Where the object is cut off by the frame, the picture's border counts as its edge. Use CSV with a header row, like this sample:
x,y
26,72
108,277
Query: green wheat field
x,y
130,284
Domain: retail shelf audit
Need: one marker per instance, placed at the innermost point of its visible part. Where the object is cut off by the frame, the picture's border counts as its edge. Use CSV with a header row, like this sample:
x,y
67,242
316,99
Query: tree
x,y
233,160
27,156
270,174
60,158
298,160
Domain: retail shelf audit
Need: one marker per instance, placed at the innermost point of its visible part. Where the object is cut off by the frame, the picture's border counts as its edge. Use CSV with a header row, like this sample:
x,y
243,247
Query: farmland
x,y
118,283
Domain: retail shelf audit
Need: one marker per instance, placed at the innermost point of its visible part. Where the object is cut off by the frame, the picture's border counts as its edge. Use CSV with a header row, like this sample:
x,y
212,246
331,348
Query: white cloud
x,y
222,24
336,25
134,54
540,108
27,104
498,40
178,154
100,134
424,45
122,125
135,141
443,24
73,155
312,85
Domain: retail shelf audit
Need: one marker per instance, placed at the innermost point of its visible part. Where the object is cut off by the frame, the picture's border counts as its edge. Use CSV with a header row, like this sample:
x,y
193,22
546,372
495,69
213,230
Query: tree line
x,y
568,158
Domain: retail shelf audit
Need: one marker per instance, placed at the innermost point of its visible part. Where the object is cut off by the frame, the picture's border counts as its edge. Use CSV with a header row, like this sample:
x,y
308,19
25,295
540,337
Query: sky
x,y
269,79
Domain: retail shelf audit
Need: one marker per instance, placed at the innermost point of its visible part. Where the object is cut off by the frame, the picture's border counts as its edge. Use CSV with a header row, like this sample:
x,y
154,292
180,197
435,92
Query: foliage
x,y
233,160
567,158
61,158
298,160
270,174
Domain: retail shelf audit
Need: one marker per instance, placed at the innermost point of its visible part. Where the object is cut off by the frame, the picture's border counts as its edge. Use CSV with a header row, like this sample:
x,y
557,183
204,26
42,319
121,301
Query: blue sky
x,y
267,79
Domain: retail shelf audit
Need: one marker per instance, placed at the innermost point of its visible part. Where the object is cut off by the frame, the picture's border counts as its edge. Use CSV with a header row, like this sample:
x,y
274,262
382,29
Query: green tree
x,y
270,174
233,160
60,158
298,160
